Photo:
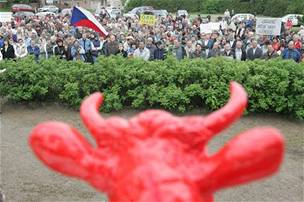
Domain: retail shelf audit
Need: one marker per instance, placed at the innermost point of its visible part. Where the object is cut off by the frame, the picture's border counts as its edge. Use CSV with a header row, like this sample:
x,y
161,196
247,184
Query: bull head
x,y
157,157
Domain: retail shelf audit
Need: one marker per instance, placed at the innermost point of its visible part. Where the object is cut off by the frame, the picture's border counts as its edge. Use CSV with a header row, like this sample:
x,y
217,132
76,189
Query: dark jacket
x,y
258,54
111,48
229,54
197,54
9,53
152,49
243,57
122,53
60,51
214,53
159,54
179,52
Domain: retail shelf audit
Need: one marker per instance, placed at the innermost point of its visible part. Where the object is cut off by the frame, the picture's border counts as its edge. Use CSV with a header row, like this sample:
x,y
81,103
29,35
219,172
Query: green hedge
x,y
273,86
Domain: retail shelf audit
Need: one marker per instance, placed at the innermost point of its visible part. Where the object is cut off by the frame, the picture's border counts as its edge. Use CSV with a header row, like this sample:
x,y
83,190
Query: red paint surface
x,y
157,157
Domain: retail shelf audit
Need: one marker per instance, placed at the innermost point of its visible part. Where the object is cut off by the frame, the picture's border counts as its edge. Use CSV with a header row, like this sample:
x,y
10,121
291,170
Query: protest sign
x,y
6,16
147,19
268,26
208,28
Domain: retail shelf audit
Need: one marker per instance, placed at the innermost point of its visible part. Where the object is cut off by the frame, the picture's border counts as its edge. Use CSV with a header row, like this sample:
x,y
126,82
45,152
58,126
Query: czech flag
x,y
83,18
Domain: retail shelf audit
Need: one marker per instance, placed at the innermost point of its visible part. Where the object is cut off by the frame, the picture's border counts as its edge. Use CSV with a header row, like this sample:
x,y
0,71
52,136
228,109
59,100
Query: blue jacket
x,y
291,54
33,50
86,44
159,54
1,43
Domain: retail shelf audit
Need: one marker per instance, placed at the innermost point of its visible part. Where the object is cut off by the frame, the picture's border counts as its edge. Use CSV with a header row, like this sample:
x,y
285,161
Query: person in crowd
x,y
34,50
20,49
301,32
297,42
128,42
60,50
42,47
254,52
239,52
77,51
159,53
227,53
276,44
142,51
215,51
198,53
112,46
206,42
1,40
189,48
178,50
271,53
289,24
241,31
121,51
227,15
151,47
8,51
87,47
68,47
291,53
96,46
49,49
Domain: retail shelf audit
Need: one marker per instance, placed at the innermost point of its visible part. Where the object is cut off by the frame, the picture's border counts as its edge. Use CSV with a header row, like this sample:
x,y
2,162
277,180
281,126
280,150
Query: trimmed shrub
x,y
272,86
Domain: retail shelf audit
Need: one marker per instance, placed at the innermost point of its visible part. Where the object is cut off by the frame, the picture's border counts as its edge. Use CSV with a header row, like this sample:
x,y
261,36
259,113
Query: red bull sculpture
x,y
157,157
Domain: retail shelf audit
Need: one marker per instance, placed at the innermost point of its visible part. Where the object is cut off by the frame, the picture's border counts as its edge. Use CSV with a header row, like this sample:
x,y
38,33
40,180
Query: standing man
x,y
254,52
271,53
227,53
239,52
86,44
291,53
151,47
142,52
112,46
178,50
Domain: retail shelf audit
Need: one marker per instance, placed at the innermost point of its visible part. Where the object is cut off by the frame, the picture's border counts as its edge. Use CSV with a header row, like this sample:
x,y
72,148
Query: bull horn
x,y
90,115
233,110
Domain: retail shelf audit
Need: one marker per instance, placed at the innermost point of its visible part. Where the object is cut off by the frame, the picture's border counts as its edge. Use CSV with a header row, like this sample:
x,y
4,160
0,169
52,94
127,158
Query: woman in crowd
x,y
59,49
8,51
20,49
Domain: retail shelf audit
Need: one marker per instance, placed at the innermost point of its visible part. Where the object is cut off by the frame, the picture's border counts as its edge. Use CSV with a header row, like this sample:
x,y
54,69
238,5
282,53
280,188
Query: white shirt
x,y
144,53
238,54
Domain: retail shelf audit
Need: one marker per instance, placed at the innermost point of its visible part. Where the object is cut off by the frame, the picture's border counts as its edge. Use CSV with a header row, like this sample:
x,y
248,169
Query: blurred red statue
x,y
157,157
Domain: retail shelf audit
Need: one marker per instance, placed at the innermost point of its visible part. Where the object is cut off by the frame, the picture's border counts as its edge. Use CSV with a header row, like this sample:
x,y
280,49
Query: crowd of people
x,y
47,36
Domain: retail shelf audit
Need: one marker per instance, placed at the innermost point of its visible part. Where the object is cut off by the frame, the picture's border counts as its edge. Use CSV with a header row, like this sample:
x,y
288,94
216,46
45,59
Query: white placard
x,y
209,27
6,16
268,26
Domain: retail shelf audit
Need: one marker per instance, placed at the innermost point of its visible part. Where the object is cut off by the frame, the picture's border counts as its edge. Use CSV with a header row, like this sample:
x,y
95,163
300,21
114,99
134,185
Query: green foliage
x,y
272,86
296,6
275,8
